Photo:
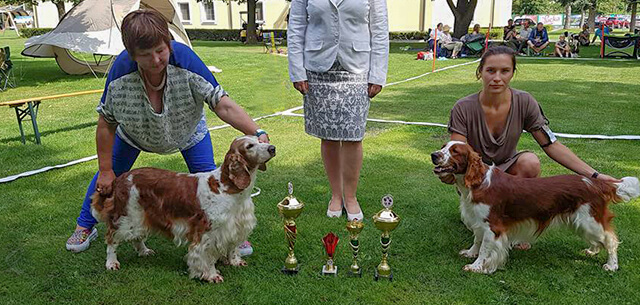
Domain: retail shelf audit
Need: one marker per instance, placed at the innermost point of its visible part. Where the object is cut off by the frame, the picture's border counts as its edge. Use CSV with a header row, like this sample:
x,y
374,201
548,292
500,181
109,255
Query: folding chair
x,y
474,47
542,52
271,43
5,69
625,46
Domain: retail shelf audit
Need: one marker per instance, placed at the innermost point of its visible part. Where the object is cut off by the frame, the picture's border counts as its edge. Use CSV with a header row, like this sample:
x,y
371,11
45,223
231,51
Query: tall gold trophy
x,y
355,227
385,220
289,208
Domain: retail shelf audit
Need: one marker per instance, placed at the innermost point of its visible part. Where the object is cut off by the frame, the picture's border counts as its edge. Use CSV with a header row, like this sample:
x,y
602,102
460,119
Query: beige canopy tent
x,y
93,27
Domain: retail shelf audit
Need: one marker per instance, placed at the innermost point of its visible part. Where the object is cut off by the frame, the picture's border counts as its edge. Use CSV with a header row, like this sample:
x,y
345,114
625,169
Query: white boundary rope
x,y
290,112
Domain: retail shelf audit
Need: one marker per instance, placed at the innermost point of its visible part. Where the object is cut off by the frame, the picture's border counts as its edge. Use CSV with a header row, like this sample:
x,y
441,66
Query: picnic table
x,y
29,107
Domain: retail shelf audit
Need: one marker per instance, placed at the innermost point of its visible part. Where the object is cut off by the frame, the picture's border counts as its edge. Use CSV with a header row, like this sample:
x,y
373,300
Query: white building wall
x,y
275,11
47,13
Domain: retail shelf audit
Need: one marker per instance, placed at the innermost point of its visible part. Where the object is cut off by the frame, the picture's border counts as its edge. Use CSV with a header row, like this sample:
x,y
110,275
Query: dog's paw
x,y
468,253
146,252
240,263
610,267
113,265
590,252
237,262
474,268
216,278
522,246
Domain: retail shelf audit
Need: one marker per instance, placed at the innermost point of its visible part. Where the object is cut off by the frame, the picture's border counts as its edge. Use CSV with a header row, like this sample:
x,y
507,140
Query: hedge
x,y
234,35
224,35
30,32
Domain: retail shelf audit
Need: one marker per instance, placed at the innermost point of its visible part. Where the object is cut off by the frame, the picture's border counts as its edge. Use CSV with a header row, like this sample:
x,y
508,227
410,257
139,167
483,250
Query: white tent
x,y
93,27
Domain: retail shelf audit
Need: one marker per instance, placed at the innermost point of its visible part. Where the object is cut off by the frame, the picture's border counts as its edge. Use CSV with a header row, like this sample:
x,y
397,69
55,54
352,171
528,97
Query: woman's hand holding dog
x,y
104,182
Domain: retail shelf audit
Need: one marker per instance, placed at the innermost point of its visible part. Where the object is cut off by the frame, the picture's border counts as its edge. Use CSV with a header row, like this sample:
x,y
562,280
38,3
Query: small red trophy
x,y
330,241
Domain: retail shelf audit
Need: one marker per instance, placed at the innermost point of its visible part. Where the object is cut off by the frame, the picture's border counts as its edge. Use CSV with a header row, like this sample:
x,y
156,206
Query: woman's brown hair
x,y
496,51
144,29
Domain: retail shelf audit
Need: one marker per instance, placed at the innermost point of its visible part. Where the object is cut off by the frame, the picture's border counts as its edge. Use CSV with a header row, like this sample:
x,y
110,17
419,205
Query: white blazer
x,y
355,31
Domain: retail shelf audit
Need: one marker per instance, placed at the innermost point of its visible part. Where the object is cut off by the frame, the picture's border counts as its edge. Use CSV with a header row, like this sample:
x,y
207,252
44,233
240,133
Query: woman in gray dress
x,y
338,53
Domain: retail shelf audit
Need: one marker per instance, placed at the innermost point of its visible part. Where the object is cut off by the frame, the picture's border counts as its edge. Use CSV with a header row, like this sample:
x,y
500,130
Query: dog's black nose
x,y
272,150
434,157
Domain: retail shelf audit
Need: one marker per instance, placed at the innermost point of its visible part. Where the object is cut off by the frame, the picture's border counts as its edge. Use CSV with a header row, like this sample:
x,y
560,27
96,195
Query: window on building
x,y
208,13
184,11
259,12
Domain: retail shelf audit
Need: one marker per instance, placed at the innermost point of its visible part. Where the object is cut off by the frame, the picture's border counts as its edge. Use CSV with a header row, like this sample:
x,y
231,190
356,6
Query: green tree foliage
x,y
534,7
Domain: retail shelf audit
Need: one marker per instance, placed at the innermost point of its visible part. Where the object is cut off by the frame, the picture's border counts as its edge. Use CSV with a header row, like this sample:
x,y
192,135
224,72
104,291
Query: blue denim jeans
x,y
199,158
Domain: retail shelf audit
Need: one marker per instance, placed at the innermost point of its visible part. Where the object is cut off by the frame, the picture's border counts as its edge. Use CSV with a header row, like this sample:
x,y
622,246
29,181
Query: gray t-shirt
x,y
524,33
467,118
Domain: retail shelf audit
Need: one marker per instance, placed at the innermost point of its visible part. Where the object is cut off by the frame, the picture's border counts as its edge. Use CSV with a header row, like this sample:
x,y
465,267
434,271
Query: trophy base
x,y
355,274
290,271
376,276
333,272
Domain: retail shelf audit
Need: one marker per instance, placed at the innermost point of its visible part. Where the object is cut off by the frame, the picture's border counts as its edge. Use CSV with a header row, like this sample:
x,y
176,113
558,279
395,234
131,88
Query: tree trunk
x,y
567,16
592,18
251,22
463,15
581,18
60,7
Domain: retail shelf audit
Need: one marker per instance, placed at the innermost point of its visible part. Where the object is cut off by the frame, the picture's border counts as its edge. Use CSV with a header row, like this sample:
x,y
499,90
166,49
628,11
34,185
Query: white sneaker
x,y
245,249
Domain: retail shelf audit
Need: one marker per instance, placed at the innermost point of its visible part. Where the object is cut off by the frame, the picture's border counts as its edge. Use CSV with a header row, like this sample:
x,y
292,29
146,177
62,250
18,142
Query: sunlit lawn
x,y
38,213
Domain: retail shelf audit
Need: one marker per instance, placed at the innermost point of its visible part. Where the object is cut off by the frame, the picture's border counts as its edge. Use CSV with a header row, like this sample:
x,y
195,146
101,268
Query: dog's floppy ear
x,y
238,171
475,170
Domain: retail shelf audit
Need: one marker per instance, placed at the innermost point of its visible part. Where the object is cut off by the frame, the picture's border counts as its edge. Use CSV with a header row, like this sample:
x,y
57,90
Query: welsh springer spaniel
x,y
211,211
503,210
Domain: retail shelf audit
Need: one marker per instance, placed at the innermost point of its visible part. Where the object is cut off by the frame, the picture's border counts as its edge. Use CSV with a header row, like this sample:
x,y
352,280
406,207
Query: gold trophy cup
x,y
289,208
355,227
385,220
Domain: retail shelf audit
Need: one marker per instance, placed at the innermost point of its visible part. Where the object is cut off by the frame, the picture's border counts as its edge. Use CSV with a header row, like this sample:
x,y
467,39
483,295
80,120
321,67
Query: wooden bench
x,y
29,107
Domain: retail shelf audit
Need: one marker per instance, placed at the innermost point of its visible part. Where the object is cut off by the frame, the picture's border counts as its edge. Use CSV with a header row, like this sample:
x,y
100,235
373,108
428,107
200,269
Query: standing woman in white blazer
x,y
338,58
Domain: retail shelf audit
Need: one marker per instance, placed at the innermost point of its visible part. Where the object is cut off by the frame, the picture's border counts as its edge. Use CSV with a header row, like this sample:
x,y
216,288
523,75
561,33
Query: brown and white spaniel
x,y
502,210
212,211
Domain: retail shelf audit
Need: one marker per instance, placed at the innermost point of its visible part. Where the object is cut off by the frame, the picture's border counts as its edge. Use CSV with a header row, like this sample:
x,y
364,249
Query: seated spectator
x,y
583,37
448,43
598,34
562,47
509,31
538,39
439,30
474,35
523,36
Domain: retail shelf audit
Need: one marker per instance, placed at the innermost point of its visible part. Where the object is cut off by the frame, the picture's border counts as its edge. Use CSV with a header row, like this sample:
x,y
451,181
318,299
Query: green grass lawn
x,y
38,213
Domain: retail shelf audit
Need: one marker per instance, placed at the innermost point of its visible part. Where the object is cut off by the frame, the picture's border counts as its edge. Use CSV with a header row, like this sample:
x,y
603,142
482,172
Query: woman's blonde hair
x,y
144,29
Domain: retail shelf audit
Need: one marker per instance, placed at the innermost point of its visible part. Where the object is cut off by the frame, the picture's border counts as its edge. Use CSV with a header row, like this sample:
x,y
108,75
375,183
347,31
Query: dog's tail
x,y
628,189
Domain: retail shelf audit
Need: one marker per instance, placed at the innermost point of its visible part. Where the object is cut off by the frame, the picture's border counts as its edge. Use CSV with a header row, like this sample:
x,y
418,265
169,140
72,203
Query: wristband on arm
x,y
260,132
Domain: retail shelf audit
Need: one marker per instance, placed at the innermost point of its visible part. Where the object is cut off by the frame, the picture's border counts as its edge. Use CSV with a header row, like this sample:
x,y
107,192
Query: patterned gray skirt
x,y
336,105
